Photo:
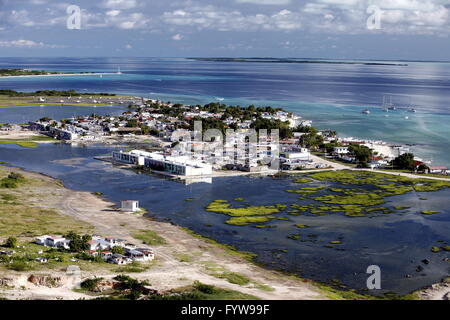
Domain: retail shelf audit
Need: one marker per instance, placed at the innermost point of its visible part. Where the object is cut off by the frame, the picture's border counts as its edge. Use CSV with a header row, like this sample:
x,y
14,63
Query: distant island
x,y
28,72
281,60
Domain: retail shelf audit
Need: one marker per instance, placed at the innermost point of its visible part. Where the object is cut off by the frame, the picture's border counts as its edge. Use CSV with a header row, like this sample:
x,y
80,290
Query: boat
x,y
406,118
385,109
366,111
412,110
390,105
118,71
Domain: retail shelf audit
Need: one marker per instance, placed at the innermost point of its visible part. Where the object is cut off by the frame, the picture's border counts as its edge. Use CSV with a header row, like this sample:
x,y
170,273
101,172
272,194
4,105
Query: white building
x,y
340,150
179,165
302,155
129,206
53,241
141,254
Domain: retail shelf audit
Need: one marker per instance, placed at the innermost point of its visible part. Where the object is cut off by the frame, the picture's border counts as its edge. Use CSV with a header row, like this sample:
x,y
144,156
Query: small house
x,y
129,206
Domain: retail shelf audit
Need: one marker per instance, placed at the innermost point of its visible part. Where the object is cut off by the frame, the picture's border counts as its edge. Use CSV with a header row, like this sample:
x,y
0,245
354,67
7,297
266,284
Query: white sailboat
x,y
391,106
118,71
385,108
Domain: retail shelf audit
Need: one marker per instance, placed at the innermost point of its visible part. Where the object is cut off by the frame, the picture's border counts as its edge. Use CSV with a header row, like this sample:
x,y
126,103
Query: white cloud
x,y
128,46
26,44
212,18
113,13
315,16
177,37
119,4
265,2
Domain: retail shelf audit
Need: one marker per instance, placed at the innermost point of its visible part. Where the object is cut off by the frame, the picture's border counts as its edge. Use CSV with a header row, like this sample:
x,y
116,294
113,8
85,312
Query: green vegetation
x,y
360,193
90,284
12,181
233,277
11,242
295,236
29,142
244,216
302,180
244,221
149,237
19,217
405,162
306,190
362,153
78,243
429,212
24,144
334,293
134,267
127,288
200,291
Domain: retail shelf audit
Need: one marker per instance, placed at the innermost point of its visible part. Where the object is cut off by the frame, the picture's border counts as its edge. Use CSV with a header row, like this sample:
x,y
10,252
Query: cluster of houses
x,y
95,126
102,247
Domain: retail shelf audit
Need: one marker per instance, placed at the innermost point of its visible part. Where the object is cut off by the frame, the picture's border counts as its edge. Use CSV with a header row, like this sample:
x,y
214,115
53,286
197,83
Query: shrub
x,y
20,266
8,183
11,242
204,288
16,176
90,284
118,250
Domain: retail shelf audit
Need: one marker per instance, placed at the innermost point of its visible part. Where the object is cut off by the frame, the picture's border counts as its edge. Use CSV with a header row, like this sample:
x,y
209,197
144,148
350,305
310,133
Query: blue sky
x,y
408,29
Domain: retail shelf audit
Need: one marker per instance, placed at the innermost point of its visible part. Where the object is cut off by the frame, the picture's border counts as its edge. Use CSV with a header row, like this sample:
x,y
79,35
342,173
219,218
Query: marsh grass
x,y
149,237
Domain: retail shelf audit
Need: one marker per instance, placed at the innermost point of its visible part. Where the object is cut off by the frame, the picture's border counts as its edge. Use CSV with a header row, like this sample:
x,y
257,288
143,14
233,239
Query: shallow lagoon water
x,y
396,242
24,114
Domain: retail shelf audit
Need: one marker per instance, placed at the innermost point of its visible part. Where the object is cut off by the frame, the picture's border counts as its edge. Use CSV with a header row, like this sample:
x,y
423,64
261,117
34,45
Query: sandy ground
x,y
18,134
168,272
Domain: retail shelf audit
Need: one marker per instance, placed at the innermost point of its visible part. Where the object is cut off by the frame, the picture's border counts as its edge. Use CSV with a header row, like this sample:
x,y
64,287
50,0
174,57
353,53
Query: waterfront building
x,y
128,206
178,165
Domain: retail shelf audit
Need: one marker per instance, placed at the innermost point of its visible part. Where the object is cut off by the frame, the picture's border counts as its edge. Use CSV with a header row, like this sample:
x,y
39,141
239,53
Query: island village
x,y
217,140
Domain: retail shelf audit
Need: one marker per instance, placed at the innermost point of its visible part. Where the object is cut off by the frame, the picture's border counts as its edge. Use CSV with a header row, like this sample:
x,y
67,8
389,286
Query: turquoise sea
x,y
332,95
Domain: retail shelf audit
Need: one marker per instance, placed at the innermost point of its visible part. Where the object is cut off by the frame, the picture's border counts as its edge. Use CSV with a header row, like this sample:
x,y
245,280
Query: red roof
x,y
438,168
